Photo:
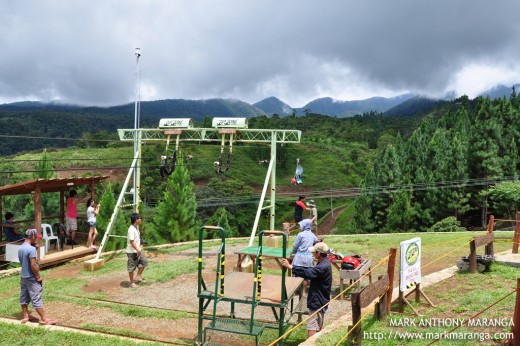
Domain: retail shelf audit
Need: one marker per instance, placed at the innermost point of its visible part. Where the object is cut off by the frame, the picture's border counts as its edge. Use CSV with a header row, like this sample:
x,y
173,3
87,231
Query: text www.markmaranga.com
x,y
397,335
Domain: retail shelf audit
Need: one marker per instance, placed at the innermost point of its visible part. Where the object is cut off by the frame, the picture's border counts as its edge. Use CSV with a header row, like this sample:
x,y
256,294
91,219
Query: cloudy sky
x,y
82,51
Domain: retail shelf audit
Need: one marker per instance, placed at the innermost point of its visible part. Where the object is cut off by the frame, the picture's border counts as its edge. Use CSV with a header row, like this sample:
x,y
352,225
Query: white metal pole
x,y
273,181
137,135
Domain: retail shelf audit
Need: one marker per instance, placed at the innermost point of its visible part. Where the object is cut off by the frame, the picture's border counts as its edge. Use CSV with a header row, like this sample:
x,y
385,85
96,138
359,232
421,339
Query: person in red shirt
x,y
72,215
299,207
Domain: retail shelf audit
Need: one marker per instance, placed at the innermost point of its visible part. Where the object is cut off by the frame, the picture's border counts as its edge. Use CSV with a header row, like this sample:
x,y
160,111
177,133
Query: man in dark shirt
x,y
320,288
10,232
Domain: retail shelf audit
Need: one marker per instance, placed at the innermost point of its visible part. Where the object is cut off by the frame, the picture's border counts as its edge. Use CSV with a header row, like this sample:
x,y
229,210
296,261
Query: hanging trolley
x,y
297,174
219,169
172,127
227,126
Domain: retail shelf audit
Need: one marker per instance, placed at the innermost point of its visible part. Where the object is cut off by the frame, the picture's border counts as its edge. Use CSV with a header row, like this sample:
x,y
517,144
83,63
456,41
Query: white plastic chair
x,y
48,235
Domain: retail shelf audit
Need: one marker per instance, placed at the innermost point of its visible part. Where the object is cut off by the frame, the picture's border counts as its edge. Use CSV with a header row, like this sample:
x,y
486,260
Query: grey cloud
x,y
82,51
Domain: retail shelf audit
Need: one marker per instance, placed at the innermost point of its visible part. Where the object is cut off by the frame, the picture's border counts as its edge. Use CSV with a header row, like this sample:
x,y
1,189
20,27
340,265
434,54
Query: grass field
x,y
461,296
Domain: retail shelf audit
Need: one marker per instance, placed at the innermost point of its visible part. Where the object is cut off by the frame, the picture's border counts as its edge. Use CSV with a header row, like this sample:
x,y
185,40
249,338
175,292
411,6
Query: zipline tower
x,y
227,131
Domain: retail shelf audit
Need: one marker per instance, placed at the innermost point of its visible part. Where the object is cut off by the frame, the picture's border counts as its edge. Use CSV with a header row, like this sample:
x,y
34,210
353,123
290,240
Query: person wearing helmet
x,y
313,214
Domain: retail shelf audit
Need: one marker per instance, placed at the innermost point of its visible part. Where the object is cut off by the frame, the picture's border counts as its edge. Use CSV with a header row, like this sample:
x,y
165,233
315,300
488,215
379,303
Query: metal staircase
x,y
231,324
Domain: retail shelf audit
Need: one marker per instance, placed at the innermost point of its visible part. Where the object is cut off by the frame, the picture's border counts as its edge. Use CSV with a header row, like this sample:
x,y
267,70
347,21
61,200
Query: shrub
x,y
449,224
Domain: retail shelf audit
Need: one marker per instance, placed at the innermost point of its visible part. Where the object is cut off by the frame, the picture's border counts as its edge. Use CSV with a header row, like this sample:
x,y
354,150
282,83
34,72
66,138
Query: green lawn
x,y
16,334
460,296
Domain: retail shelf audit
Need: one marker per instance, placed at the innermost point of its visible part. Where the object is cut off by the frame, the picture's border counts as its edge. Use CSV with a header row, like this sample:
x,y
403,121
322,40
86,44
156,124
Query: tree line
x,y
448,167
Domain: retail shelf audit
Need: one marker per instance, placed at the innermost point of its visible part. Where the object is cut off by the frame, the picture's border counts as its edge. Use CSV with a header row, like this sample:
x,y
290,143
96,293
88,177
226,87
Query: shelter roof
x,y
47,185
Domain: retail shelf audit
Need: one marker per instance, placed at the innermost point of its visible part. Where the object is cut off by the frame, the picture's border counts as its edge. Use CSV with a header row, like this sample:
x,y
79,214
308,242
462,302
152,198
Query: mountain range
x,y
152,111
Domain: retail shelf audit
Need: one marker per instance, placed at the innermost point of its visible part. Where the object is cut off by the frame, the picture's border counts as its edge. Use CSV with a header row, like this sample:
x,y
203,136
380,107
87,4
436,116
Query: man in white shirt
x,y
136,257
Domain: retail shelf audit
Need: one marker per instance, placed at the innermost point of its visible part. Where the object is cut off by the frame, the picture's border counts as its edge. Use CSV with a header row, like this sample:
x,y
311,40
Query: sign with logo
x,y
410,274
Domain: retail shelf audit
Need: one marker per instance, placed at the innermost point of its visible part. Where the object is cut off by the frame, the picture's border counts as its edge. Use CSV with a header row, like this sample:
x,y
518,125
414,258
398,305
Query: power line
x,y
59,138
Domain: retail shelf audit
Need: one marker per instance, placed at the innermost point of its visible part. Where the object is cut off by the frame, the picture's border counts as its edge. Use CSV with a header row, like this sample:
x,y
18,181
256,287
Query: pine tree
x,y
485,162
220,219
119,227
50,205
176,218
44,169
387,173
400,212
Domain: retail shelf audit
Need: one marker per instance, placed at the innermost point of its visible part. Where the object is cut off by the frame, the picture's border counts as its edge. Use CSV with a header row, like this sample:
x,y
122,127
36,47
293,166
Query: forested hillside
x,y
446,168
413,171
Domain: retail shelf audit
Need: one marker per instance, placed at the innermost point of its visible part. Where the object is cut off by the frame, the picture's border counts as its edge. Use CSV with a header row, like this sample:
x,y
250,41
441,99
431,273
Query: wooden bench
x,y
354,274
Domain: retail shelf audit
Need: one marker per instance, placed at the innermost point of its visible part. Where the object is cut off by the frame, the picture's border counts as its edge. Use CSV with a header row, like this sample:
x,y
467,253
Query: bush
x,y
449,224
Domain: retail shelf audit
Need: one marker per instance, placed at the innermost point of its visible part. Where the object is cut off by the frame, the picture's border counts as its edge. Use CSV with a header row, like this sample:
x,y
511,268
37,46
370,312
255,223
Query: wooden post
x,y
62,207
401,301
1,219
37,198
472,257
380,308
516,317
390,271
491,226
356,317
516,237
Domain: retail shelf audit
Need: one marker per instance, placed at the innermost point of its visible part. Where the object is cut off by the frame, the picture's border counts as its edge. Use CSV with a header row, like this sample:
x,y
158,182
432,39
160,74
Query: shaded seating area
x,y
50,226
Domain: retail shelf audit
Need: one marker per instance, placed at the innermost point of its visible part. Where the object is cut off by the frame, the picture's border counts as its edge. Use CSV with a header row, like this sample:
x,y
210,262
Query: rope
x,y
324,306
446,254
477,314
445,242
361,319
507,220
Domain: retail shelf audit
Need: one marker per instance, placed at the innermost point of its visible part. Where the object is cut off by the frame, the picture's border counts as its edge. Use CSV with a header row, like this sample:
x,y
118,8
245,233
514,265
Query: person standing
x,y
11,233
31,282
304,240
320,288
136,256
299,207
92,212
72,216
313,214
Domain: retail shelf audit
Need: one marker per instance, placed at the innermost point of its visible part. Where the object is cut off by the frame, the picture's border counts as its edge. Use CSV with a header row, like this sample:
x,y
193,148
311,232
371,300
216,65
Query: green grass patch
x,y
118,331
165,271
9,284
21,335
10,306
65,285
295,338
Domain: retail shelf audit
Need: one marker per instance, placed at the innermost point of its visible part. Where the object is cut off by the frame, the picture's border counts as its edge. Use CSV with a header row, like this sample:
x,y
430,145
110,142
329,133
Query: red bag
x,y
350,262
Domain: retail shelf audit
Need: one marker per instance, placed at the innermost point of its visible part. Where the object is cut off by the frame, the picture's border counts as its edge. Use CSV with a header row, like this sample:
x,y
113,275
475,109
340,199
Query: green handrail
x,y
283,295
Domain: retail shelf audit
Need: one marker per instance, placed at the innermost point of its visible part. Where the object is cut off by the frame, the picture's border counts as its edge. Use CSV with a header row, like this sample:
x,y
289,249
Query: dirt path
x,y
327,225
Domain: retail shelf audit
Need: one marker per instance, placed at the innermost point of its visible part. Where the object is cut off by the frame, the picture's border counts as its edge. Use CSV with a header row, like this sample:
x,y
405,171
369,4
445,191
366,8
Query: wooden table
x,y
272,252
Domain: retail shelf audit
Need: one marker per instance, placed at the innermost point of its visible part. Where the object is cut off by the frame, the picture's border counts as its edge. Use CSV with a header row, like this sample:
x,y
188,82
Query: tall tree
x,y
44,169
176,218
387,173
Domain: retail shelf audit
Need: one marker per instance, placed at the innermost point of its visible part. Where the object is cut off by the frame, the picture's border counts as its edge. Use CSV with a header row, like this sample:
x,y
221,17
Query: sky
x,y
83,51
